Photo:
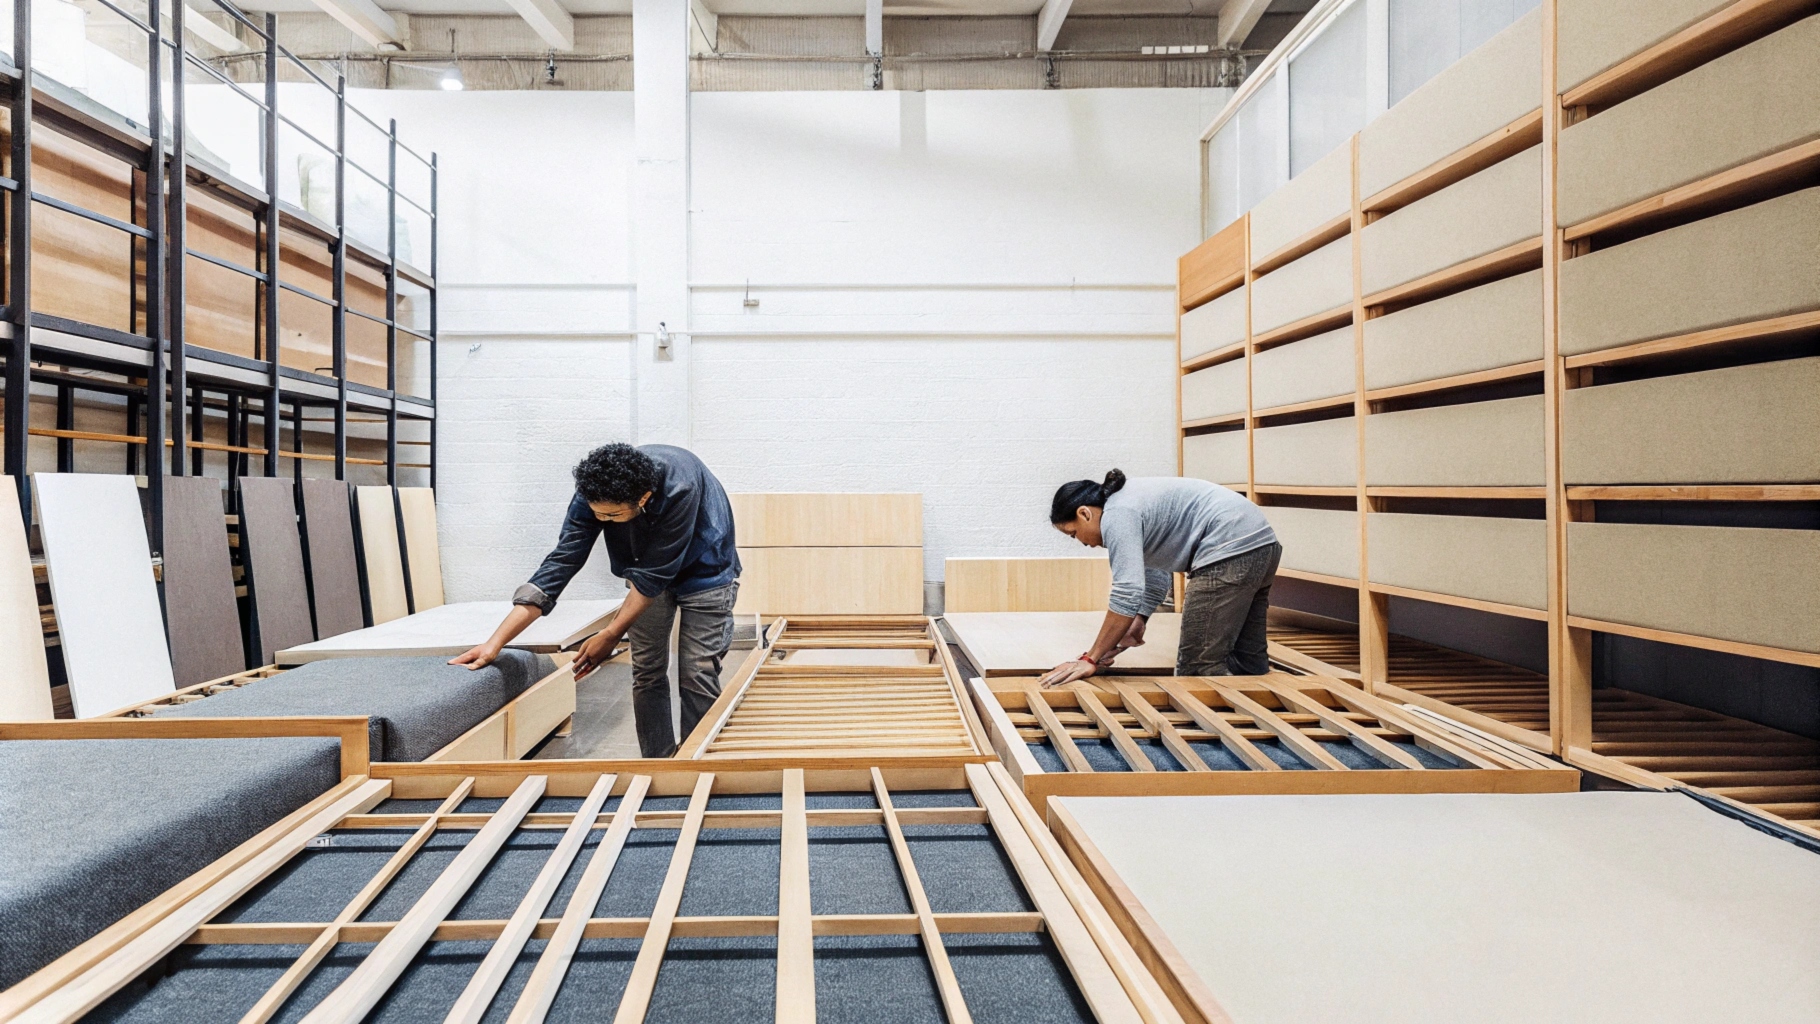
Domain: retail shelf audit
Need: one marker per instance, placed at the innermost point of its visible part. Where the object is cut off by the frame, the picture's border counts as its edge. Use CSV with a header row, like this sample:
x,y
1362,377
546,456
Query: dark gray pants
x,y
707,630
1223,618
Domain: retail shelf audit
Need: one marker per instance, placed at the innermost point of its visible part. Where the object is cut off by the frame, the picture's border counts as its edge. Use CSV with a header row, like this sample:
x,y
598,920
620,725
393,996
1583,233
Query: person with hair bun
x,y
1154,527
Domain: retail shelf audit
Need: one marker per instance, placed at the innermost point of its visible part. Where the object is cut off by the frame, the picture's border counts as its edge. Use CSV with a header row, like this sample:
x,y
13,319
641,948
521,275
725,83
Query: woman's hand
x,y
1068,672
477,657
1134,635
594,652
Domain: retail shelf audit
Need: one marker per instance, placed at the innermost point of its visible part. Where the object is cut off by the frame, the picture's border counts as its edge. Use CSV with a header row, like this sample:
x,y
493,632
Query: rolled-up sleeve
x,y
579,531
1123,535
1157,585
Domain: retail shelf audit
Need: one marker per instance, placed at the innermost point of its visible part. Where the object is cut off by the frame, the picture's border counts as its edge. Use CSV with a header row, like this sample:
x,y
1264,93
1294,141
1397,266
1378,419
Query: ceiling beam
x,y
548,19
704,28
366,20
197,24
1237,19
1049,22
875,26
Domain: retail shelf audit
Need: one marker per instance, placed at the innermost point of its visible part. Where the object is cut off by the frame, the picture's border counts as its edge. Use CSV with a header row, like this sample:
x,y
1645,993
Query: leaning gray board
x,y
100,566
328,529
201,611
453,628
274,558
1609,907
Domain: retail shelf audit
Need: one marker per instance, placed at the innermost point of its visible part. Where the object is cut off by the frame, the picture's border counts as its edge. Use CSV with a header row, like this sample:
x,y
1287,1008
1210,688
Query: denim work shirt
x,y
682,542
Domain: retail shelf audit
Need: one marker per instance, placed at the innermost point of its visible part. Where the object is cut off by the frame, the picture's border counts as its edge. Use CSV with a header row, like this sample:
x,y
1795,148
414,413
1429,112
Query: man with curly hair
x,y
668,528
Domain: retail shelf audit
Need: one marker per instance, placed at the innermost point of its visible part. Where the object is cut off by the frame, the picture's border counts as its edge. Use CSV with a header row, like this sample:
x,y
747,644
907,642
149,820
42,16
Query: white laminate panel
x,y
380,553
1214,325
451,629
25,683
1495,208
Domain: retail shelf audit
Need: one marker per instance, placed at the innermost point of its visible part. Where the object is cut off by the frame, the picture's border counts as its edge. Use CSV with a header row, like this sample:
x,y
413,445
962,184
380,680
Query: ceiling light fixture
x,y
451,80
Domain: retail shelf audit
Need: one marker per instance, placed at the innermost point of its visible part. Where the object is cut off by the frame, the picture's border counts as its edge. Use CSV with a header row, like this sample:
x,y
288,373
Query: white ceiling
x,y
794,8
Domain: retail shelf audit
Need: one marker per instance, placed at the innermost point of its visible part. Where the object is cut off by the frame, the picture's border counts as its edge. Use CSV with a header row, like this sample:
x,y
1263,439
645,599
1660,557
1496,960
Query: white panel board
x,y
453,628
25,685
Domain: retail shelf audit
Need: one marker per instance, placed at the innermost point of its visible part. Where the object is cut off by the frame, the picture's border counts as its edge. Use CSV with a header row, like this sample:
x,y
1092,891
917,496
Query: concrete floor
x,y
603,711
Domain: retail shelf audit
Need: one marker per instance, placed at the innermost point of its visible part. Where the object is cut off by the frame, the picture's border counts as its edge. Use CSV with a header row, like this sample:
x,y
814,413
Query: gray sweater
x,y
1156,526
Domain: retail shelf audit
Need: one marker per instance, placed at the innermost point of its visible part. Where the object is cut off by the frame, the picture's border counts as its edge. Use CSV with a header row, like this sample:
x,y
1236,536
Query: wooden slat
x,y
1206,718
643,981
1058,736
1121,740
954,1005
795,930
1389,755
1290,736
1165,731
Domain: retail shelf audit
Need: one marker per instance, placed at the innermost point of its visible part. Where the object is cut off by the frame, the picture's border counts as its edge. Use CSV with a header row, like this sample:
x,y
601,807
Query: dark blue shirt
x,y
682,542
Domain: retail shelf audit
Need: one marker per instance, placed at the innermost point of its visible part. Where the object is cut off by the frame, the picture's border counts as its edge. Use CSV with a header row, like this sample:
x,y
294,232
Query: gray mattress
x,y
92,829
416,706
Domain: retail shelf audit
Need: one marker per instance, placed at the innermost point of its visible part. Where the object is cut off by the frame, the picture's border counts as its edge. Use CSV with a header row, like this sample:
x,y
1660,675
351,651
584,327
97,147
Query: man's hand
x,y
477,657
1068,672
594,652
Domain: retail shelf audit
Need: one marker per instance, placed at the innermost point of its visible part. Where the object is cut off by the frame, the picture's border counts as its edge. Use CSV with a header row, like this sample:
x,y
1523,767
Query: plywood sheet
x,y
1324,453
1319,367
1310,199
1494,908
451,629
1497,207
1027,584
1316,283
334,574
1215,325
1317,539
828,520
25,685
1501,560
1216,391
1595,35
1483,328
1019,643
201,611
273,553
417,506
1478,444
100,568
1219,458
831,581
1212,264
379,553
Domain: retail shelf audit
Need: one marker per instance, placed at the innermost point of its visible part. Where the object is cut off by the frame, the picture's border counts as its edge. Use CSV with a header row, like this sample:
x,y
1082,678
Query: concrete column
x,y
660,220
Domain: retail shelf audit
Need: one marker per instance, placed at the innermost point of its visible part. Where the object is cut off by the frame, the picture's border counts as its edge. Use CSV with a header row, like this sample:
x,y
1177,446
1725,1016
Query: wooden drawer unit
x,y
1319,454
1304,371
1218,390
1493,325
1214,325
1479,444
1218,458
1492,210
1478,557
1316,283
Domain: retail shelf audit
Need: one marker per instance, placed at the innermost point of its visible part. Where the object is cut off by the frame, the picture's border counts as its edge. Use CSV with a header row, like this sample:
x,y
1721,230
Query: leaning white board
x,y
453,628
1021,643
108,616
25,684
1608,907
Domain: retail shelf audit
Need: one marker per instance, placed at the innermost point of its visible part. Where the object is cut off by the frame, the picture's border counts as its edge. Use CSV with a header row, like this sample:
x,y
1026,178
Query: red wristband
x,y
1087,656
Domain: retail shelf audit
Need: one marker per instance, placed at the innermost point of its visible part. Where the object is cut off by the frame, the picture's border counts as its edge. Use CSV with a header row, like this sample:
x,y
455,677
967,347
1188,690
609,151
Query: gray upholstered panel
x,y
1316,283
1310,199
1317,539
1215,391
1598,34
95,828
1479,444
1502,560
1499,206
1218,458
1747,104
1493,325
1302,371
1214,325
1749,585
1750,264
1741,424
1324,453
1482,92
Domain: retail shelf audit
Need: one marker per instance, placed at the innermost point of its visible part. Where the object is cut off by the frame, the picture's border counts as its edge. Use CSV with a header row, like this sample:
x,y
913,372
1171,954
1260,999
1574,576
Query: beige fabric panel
x,y
1217,458
1324,453
1026,584
1748,585
418,505
1741,424
1215,391
827,520
379,553
1502,560
1482,92
1747,104
1214,325
831,581
1317,539
1302,371
1598,34
1493,325
1310,199
1750,264
1479,444
1316,283
1499,206
25,682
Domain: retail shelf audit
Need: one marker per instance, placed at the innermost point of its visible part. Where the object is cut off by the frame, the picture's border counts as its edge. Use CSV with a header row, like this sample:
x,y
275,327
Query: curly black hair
x,y
615,473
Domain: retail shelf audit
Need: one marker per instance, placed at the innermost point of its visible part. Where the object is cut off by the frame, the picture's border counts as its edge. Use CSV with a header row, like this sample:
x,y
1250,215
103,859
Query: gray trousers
x,y
701,643
1223,616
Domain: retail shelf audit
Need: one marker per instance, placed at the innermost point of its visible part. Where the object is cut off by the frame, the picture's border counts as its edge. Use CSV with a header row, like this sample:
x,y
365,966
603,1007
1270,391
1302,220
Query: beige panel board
x,y
1214,325
1479,444
1595,35
25,683
100,567
1381,900
379,553
1216,391
418,507
1740,424
1303,371
1011,643
1218,458
1026,584
1750,264
828,520
1497,207
1316,283
1747,104
1317,539
831,581
1483,328
454,628
1748,585
1324,453
1482,92
1309,200
1502,560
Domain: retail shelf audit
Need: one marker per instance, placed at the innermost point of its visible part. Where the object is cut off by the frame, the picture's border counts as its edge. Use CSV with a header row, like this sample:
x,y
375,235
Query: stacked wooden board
x,y
829,554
